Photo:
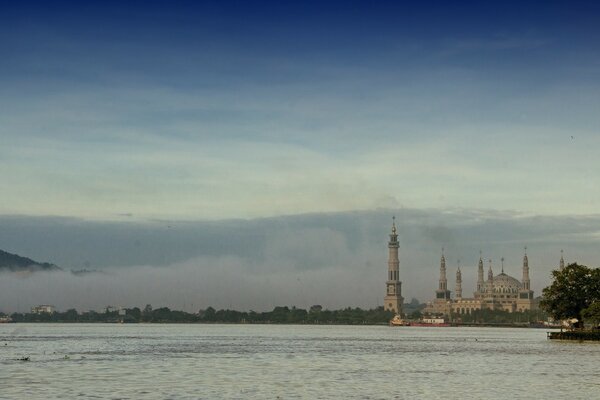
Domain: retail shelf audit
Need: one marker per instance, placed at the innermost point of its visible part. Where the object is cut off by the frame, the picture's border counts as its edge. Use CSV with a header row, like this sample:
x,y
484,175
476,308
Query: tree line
x,y
279,315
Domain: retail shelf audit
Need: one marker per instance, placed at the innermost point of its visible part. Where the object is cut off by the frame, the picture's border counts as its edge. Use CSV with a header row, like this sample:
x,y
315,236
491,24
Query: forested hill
x,y
13,262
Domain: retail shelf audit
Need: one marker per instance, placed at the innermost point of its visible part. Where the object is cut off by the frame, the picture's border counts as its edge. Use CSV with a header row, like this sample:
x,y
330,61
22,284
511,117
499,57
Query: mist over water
x,y
336,260
190,286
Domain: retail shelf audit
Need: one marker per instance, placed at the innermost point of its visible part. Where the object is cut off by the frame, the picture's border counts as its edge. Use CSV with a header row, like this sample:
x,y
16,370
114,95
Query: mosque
x,y
500,292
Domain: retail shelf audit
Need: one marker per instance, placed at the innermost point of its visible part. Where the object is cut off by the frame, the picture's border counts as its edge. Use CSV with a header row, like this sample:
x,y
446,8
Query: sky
x,y
212,115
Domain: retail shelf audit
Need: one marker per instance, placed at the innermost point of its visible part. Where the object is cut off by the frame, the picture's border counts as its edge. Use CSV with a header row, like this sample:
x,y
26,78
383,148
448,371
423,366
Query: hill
x,y
14,262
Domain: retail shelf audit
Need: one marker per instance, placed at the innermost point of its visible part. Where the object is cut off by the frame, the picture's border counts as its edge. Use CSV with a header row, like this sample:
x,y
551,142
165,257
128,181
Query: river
x,y
152,361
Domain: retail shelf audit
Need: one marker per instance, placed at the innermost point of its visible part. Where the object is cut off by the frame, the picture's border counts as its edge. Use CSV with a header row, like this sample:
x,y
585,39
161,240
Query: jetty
x,y
579,335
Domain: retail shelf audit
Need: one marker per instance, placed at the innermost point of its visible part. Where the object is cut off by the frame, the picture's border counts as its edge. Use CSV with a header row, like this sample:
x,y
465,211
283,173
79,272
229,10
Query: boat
x,y
437,322
398,321
5,319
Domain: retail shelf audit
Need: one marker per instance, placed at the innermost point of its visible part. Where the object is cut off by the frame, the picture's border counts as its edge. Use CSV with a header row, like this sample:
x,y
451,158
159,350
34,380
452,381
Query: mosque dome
x,y
506,284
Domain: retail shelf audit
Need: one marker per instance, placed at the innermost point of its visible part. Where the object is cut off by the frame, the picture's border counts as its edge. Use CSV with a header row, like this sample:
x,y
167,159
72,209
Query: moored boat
x,y
437,322
398,321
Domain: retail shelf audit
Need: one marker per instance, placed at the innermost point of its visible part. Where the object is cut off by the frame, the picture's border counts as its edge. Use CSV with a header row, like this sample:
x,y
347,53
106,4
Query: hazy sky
x,y
219,116
210,110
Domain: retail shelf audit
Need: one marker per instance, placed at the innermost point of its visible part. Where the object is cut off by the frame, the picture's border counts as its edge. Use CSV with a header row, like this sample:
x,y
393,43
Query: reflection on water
x,y
290,362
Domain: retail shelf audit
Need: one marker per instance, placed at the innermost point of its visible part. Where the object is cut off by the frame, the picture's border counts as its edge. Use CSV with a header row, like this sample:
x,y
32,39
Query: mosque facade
x,y
497,292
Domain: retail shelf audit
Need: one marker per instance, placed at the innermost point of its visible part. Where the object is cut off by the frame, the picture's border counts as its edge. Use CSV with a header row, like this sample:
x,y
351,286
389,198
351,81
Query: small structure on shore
x,y
576,334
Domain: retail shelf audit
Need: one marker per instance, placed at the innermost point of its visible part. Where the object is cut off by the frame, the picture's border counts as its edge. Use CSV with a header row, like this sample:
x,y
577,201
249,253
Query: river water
x,y
151,361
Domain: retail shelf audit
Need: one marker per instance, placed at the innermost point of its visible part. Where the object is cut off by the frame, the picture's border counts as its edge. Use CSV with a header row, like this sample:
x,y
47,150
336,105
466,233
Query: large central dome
x,y
506,284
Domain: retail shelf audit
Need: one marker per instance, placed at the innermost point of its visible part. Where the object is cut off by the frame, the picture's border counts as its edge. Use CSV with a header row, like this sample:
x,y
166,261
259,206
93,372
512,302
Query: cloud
x,y
221,282
333,259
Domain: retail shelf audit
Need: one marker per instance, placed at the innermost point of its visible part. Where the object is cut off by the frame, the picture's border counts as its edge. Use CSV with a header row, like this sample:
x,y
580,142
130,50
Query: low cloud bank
x,y
336,260
196,284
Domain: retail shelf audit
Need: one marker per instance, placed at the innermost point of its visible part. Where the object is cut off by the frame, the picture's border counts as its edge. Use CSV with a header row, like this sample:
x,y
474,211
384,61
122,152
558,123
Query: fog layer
x,y
335,260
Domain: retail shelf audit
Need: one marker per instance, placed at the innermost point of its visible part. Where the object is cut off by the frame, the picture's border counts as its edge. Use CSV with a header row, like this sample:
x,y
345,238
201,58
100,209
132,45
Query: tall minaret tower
x,y
458,290
490,279
526,283
393,299
525,300
480,282
489,289
562,261
442,293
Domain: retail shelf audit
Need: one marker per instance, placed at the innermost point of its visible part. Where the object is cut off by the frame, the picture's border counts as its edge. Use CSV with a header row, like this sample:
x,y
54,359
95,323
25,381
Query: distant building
x,y
115,309
111,309
500,292
393,296
43,309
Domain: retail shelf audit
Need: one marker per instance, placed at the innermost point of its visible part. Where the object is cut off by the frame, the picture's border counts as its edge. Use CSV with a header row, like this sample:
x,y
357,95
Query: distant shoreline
x,y
451,325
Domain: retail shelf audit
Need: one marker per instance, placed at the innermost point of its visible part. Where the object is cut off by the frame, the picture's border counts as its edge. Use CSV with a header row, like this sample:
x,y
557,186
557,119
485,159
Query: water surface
x,y
154,361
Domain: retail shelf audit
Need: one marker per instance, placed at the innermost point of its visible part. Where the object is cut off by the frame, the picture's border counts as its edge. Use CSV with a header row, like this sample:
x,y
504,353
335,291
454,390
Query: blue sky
x,y
220,110
246,145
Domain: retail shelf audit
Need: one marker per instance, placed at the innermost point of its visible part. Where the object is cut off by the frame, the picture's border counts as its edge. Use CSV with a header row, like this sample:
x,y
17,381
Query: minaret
x,y
458,291
393,299
443,284
526,283
442,293
525,299
562,261
480,283
490,279
489,290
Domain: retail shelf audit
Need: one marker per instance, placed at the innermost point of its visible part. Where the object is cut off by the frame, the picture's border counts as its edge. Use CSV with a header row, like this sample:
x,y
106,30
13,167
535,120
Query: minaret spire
x,y
393,299
526,282
443,281
458,290
442,293
489,290
562,261
502,261
525,299
480,283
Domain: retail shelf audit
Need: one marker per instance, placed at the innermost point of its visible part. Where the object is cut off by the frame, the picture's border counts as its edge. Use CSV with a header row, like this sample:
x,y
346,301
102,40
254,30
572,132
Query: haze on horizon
x,y
180,125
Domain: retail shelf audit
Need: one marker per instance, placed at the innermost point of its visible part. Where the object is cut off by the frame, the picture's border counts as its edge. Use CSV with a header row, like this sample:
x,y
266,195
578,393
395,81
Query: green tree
x,y
415,315
573,289
135,313
592,313
70,315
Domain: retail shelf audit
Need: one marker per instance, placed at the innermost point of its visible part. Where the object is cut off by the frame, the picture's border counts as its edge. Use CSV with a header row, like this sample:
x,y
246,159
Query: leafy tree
x,y
574,289
209,314
592,313
70,315
135,313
